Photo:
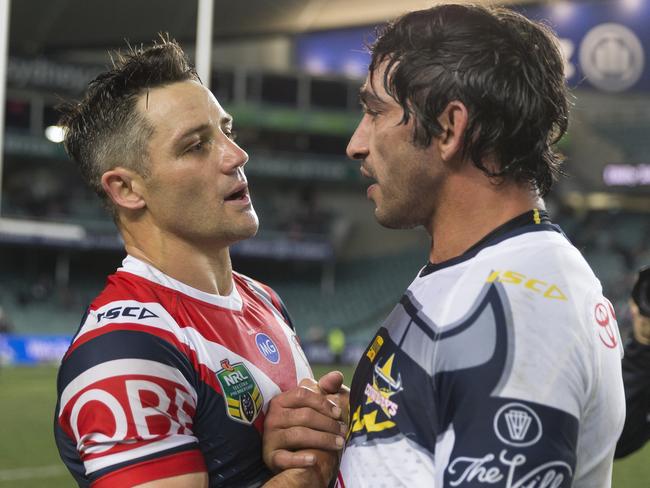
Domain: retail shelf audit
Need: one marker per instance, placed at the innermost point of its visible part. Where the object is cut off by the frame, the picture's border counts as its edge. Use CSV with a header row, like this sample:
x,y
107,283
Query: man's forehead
x,y
374,83
180,102
372,94
179,95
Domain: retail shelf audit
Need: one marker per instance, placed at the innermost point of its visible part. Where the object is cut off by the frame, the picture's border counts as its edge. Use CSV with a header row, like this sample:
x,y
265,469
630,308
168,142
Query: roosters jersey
x,y
498,368
163,379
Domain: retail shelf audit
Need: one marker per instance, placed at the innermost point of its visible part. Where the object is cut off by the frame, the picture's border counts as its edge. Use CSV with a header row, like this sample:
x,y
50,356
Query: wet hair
x,y
104,129
507,71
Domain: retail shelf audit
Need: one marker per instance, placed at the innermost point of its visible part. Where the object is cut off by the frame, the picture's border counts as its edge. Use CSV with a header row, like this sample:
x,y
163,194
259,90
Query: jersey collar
x,y
530,221
144,270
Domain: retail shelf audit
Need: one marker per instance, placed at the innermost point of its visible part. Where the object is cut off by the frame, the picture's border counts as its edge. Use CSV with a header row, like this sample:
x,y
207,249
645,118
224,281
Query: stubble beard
x,y
414,209
400,216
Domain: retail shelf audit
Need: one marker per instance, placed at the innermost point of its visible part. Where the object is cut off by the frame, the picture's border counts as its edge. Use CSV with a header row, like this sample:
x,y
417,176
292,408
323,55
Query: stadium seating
x,y
362,291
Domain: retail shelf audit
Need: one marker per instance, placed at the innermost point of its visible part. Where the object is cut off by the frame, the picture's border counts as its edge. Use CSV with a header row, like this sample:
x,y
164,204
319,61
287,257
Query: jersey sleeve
x,y
508,399
546,407
636,379
126,406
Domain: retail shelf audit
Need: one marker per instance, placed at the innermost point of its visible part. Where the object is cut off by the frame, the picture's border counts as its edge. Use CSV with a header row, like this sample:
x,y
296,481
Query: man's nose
x,y
358,145
234,158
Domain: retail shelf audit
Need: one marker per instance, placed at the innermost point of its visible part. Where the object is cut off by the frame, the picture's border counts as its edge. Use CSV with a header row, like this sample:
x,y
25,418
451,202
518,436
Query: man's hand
x,y
305,427
332,384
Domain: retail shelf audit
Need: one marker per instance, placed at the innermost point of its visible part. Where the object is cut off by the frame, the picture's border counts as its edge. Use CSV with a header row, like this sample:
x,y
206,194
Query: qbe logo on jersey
x,y
240,391
268,348
516,424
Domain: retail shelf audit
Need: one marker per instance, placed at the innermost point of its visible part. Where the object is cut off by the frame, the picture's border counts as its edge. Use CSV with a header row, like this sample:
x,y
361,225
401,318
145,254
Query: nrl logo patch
x,y
243,397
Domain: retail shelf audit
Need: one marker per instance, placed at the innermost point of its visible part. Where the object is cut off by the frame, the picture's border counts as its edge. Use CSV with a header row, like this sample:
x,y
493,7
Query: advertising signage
x,y
605,44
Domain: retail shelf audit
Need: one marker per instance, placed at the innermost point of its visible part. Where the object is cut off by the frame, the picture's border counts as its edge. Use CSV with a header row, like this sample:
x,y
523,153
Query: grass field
x,y
28,457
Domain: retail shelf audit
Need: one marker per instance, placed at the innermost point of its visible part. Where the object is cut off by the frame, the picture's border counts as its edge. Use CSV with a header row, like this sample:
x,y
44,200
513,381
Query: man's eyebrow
x,y
368,97
191,131
225,120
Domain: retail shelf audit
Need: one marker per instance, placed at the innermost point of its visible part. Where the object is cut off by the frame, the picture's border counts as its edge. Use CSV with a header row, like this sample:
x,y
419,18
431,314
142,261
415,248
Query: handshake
x,y
304,432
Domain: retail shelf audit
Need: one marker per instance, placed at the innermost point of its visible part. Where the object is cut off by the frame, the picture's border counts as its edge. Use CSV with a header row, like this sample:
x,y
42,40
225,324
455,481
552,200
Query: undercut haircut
x,y
506,69
105,129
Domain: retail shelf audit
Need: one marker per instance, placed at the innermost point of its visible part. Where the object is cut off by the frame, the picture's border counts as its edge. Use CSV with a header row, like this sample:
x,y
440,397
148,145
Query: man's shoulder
x,y
123,285
128,310
537,281
543,264
258,291
130,299
253,284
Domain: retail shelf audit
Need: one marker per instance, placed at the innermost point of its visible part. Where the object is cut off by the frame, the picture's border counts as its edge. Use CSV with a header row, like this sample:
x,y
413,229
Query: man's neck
x,y
470,207
202,266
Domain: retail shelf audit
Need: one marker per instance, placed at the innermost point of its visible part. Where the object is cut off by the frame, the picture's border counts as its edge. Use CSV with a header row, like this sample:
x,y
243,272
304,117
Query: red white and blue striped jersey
x,y
163,379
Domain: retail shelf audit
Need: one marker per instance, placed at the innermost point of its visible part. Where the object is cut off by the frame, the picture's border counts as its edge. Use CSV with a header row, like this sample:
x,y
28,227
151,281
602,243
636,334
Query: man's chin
x,y
249,230
394,221
245,230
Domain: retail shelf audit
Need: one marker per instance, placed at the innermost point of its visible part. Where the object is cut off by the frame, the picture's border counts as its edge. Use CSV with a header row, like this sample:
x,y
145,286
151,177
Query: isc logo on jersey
x,y
138,312
543,288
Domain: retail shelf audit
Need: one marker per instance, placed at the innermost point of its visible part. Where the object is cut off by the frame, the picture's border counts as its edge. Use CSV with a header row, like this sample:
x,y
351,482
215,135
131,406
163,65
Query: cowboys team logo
x,y
516,424
384,386
243,397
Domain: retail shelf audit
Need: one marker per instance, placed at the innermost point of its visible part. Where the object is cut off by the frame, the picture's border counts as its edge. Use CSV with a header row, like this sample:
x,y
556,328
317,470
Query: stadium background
x,y
289,71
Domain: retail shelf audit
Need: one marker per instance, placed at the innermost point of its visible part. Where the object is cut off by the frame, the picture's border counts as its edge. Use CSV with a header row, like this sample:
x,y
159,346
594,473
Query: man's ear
x,y
124,187
453,120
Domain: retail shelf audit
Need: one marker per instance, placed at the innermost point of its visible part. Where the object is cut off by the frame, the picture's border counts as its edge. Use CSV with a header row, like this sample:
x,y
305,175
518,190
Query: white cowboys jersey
x,y
498,368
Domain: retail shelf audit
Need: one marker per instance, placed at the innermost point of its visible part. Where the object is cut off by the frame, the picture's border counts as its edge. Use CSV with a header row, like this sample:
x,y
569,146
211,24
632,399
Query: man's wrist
x,y
296,478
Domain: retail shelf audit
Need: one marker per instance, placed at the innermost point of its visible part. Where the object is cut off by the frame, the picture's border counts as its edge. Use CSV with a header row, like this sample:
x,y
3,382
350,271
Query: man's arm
x,y
190,480
301,418
125,413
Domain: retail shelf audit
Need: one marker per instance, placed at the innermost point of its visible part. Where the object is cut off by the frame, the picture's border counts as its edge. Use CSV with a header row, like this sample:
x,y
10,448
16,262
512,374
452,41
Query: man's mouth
x,y
239,193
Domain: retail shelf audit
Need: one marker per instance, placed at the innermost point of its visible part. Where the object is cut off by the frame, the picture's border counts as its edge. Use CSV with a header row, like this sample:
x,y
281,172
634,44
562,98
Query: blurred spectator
x,y
636,370
5,323
336,344
307,217
39,291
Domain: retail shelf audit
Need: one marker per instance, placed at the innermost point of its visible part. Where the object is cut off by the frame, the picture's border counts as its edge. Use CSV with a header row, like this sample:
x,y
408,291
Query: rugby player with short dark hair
x,y
167,382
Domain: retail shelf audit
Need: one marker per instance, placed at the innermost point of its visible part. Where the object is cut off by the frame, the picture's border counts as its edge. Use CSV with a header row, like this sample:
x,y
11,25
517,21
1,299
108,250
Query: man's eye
x,y
371,112
230,134
199,147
